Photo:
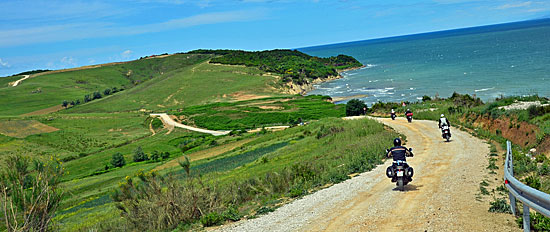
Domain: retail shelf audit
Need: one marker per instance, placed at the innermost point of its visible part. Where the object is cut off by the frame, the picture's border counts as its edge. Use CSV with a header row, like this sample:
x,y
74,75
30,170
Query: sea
x,y
487,61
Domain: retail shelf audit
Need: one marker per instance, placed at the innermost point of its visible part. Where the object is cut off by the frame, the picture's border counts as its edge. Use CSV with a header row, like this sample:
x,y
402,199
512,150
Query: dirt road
x,y
444,195
19,81
171,123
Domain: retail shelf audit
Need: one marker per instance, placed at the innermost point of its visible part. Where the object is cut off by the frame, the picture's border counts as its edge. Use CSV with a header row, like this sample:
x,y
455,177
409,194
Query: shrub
x,y
30,193
533,182
155,156
158,203
499,206
212,219
164,155
139,155
355,107
118,160
107,91
426,98
96,95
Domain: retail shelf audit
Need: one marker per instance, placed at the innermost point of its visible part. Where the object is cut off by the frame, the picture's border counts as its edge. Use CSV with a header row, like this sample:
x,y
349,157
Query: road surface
x,y
17,82
444,195
171,123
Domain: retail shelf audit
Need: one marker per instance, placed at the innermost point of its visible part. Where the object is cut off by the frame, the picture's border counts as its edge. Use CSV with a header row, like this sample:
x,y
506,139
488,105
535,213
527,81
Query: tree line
x,y
293,65
90,97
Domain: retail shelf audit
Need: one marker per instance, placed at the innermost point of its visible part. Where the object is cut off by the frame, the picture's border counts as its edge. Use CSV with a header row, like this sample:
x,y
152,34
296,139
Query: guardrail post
x,y
510,169
526,219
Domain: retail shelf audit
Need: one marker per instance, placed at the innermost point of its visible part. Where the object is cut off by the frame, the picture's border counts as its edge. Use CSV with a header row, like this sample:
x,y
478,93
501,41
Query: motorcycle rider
x,y
408,112
399,153
392,114
443,122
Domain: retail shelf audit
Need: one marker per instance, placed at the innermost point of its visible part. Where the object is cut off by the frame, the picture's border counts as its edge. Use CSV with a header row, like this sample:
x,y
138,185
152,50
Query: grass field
x,y
260,112
48,90
193,85
85,137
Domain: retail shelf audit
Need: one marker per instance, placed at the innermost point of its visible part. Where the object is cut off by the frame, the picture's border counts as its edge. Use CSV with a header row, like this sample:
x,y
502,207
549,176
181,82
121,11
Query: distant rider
x,y
408,112
392,113
443,122
399,152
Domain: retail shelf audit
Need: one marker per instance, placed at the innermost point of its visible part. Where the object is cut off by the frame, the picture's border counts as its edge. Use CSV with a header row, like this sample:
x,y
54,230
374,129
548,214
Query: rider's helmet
x,y
442,115
408,110
392,111
397,142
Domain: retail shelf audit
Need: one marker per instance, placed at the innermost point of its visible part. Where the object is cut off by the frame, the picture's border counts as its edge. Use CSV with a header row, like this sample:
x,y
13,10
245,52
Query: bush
x,y
355,107
139,155
426,98
533,182
118,160
499,206
212,219
30,193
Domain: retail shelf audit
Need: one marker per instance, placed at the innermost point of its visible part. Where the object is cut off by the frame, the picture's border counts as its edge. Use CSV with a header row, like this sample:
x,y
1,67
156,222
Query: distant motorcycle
x,y
409,117
400,172
446,132
392,116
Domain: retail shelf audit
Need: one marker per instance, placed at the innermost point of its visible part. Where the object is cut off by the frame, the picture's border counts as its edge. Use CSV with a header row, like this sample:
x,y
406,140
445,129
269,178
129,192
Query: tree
x,y
139,155
96,95
29,192
355,107
107,91
426,98
118,160
87,98
114,90
164,155
77,102
65,103
155,156
72,103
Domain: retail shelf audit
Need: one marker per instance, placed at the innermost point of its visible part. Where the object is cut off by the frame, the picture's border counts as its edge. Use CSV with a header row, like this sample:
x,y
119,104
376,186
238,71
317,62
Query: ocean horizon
x,y
487,61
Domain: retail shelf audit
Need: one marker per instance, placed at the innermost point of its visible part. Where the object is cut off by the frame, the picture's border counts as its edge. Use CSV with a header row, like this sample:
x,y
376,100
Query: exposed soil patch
x,y
521,133
44,111
24,128
242,96
271,107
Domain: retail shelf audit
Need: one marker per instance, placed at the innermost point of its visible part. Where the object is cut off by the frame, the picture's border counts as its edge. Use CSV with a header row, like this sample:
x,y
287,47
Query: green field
x,y
84,137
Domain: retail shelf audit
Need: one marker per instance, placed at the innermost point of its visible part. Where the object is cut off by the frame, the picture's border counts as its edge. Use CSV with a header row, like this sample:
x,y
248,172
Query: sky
x,y
52,34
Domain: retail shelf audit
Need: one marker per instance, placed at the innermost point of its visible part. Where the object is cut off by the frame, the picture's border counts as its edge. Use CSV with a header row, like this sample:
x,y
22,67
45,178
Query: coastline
x,y
303,89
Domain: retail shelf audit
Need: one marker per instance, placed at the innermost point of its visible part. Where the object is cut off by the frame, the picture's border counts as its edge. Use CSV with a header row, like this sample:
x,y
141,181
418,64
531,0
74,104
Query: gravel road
x,y
442,196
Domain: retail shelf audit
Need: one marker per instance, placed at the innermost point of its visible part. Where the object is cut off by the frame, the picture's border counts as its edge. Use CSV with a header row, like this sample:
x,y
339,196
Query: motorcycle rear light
x,y
506,182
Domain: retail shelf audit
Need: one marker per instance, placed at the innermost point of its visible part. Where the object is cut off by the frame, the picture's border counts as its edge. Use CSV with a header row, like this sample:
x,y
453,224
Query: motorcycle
x,y
392,116
400,172
409,117
446,132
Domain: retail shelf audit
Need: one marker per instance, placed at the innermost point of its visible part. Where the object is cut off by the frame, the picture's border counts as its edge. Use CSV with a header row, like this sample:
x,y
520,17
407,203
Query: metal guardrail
x,y
530,197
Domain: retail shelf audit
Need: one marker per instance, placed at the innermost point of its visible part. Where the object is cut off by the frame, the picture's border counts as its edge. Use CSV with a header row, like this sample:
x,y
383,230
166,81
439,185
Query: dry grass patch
x,y
44,111
24,128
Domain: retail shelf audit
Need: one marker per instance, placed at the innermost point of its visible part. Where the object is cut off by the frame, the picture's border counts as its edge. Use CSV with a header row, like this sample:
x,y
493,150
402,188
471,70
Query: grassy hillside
x,y
197,84
214,95
49,90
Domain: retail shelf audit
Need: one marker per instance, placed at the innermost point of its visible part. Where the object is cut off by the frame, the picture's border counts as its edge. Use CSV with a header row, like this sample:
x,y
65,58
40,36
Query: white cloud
x,y
514,5
126,54
4,64
68,61
65,32
91,61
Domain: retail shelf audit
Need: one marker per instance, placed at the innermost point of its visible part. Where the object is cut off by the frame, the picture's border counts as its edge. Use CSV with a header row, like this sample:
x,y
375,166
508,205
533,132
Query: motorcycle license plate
x,y
399,173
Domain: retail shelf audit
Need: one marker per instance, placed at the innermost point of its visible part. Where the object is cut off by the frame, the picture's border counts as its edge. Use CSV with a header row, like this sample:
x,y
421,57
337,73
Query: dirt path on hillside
x,y
19,81
171,124
442,196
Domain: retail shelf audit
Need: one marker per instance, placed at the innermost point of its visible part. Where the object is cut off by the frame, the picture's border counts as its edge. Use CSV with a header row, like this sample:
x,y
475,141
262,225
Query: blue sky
x,y
53,34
